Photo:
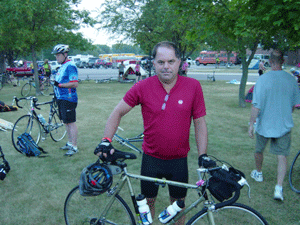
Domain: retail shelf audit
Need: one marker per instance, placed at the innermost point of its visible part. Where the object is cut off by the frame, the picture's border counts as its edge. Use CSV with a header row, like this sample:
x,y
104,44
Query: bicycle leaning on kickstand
x,y
294,175
108,207
36,125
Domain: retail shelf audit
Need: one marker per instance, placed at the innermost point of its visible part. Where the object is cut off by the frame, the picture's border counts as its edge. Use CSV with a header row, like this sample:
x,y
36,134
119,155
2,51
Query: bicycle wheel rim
x,y
294,175
57,128
83,210
26,89
237,214
47,88
26,124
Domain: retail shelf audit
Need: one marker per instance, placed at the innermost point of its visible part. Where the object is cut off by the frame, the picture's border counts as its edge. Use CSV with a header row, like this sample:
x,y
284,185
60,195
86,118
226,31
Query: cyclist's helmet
x,y
60,48
95,179
292,70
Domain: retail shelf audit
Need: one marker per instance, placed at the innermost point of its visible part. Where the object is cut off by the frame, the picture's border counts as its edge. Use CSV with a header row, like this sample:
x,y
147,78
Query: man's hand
x,y
104,148
251,131
205,161
56,83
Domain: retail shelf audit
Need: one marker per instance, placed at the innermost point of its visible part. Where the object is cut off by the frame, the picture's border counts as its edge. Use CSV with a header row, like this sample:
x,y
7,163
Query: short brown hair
x,y
277,57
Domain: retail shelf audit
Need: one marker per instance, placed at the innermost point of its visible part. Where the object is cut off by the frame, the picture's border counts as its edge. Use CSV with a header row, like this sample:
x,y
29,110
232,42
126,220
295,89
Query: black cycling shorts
x,y
67,111
175,170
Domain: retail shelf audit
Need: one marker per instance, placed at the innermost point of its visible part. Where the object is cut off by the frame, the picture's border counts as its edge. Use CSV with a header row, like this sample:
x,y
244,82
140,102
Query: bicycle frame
x,y
125,178
127,141
33,114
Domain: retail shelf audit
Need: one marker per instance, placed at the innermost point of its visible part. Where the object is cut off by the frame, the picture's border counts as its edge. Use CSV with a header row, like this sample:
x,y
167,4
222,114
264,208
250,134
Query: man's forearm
x,y
201,135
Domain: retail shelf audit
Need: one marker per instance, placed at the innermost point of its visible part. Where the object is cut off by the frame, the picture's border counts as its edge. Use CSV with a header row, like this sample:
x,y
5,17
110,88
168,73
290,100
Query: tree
x,y
146,22
247,23
39,24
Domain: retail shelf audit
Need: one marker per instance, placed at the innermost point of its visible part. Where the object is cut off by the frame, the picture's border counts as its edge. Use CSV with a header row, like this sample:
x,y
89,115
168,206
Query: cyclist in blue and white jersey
x,y
66,82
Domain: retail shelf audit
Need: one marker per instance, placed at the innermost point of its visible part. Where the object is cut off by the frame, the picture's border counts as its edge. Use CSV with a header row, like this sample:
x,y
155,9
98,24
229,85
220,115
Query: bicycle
x,y
106,80
111,208
32,124
294,174
45,86
127,141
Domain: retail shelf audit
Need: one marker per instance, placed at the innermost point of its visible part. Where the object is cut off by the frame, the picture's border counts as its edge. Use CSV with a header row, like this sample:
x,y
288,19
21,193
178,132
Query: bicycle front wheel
x,y
294,175
26,124
56,128
237,213
26,89
80,209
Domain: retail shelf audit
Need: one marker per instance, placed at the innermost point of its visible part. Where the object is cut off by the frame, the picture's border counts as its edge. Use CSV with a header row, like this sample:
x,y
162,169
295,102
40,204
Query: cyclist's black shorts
x,y
67,110
175,170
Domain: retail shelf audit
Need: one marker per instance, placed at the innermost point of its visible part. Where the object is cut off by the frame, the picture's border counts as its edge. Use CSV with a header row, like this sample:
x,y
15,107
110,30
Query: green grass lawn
x,y
35,189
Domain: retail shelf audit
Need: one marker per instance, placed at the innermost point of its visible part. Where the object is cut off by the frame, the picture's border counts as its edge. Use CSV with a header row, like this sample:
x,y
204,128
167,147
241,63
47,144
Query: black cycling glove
x,y
105,146
205,161
56,83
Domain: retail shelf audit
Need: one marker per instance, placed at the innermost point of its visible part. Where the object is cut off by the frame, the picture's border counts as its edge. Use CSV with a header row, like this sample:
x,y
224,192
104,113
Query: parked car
x,y
102,63
81,64
54,66
21,69
91,62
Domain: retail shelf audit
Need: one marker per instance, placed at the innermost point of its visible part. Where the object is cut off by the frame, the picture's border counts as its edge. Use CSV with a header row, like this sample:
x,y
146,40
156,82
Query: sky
x,y
98,37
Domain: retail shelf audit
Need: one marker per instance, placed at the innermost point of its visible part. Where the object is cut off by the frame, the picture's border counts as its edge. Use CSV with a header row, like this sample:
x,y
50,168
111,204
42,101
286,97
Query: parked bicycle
x,y
36,125
294,175
110,208
128,141
45,86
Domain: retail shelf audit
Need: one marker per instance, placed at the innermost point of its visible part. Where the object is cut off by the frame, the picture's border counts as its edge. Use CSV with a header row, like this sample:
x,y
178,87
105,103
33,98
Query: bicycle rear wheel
x,y
26,89
56,128
237,214
47,88
26,124
80,209
294,175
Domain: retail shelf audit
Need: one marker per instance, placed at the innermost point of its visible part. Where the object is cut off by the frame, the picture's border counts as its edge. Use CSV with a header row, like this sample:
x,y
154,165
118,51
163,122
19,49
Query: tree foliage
x,y
33,25
245,23
146,22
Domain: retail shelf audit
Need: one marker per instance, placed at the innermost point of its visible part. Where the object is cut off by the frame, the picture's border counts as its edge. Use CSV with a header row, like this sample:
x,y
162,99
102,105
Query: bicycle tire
x,y
26,89
236,213
294,174
27,124
80,209
56,128
47,88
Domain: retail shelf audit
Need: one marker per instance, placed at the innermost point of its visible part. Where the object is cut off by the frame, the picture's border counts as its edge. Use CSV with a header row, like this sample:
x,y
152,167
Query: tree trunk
x,y
35,74
245,65
2,62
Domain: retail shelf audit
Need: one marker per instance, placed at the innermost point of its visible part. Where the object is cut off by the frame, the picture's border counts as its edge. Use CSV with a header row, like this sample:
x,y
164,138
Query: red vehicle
x,y
21,70
209,57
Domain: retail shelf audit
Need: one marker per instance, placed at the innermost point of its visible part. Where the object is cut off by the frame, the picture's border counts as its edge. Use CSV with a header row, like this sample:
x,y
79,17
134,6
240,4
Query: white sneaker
x,y
66,147
71,152
258,176
278,195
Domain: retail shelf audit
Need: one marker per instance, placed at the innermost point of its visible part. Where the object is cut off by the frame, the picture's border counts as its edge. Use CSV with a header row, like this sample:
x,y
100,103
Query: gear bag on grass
x,y
28,147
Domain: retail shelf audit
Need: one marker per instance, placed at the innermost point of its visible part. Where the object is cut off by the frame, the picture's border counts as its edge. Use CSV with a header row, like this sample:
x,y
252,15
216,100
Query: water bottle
x,y
42,119
144,209
171,211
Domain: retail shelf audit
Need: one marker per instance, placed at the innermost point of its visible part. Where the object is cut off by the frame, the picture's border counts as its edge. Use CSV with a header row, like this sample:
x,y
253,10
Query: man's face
x,y
60,57
166,64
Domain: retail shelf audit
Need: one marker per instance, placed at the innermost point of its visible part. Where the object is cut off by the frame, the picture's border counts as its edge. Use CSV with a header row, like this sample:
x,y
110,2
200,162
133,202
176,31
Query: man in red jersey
x,y
169,103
